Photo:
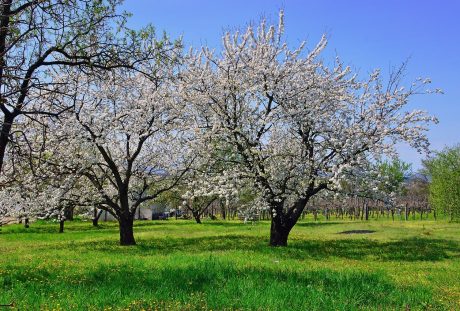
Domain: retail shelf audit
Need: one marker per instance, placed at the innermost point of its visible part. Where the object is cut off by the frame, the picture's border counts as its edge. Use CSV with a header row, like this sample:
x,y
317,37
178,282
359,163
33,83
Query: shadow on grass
x,y
318,224
53,227
210,284
80,226
409,249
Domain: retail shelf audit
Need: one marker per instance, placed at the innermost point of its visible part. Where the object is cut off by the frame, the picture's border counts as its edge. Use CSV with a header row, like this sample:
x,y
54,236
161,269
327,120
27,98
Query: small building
x,y
151,212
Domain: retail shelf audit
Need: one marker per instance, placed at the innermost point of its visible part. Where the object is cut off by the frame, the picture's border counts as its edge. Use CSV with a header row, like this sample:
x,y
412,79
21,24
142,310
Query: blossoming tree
x,y
295,125
123,135
204,187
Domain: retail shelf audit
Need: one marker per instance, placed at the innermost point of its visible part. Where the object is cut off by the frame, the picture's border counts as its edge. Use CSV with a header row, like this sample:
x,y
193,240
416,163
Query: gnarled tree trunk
x,y
284,221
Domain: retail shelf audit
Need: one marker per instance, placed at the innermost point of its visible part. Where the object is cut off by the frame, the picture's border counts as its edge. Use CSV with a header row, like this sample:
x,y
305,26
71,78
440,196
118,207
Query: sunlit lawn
x,y
179,265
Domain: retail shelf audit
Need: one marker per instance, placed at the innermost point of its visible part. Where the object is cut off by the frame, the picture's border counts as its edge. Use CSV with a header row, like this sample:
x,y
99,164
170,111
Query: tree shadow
x,y
53,227
80,226
408,249
318,224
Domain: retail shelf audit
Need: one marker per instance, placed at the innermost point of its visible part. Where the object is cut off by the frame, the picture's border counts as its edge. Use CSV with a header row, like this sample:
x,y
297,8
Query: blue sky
x,y
365,34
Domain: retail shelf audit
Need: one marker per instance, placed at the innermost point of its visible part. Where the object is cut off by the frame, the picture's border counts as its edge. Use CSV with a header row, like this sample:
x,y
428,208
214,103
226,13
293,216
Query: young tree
x,y
295,126
394,173
198,205
444,188
204,187
44,190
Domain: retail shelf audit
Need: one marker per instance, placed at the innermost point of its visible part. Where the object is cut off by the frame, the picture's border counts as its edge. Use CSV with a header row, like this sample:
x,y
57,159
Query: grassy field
x,y
178,265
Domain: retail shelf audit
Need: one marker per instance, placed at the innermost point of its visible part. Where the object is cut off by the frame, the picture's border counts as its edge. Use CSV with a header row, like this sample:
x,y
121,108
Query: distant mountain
x,y
416,177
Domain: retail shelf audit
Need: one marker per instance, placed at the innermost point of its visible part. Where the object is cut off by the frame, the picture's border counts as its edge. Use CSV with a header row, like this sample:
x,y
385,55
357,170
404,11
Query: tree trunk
x,y
126,230
4,136
68,212
26,223
283,222
224,212
8,117
197,217
96,216
278,233
61,226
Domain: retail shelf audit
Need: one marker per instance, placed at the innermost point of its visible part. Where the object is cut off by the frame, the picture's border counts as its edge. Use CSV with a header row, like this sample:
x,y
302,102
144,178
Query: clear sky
x,y
365,34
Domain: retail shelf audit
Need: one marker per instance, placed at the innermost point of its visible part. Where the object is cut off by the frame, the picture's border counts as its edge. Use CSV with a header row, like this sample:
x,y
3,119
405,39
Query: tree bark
x,y
126,230
61,226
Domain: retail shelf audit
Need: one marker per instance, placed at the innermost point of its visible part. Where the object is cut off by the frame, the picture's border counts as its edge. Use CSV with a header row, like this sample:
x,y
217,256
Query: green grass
x,y
178,265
